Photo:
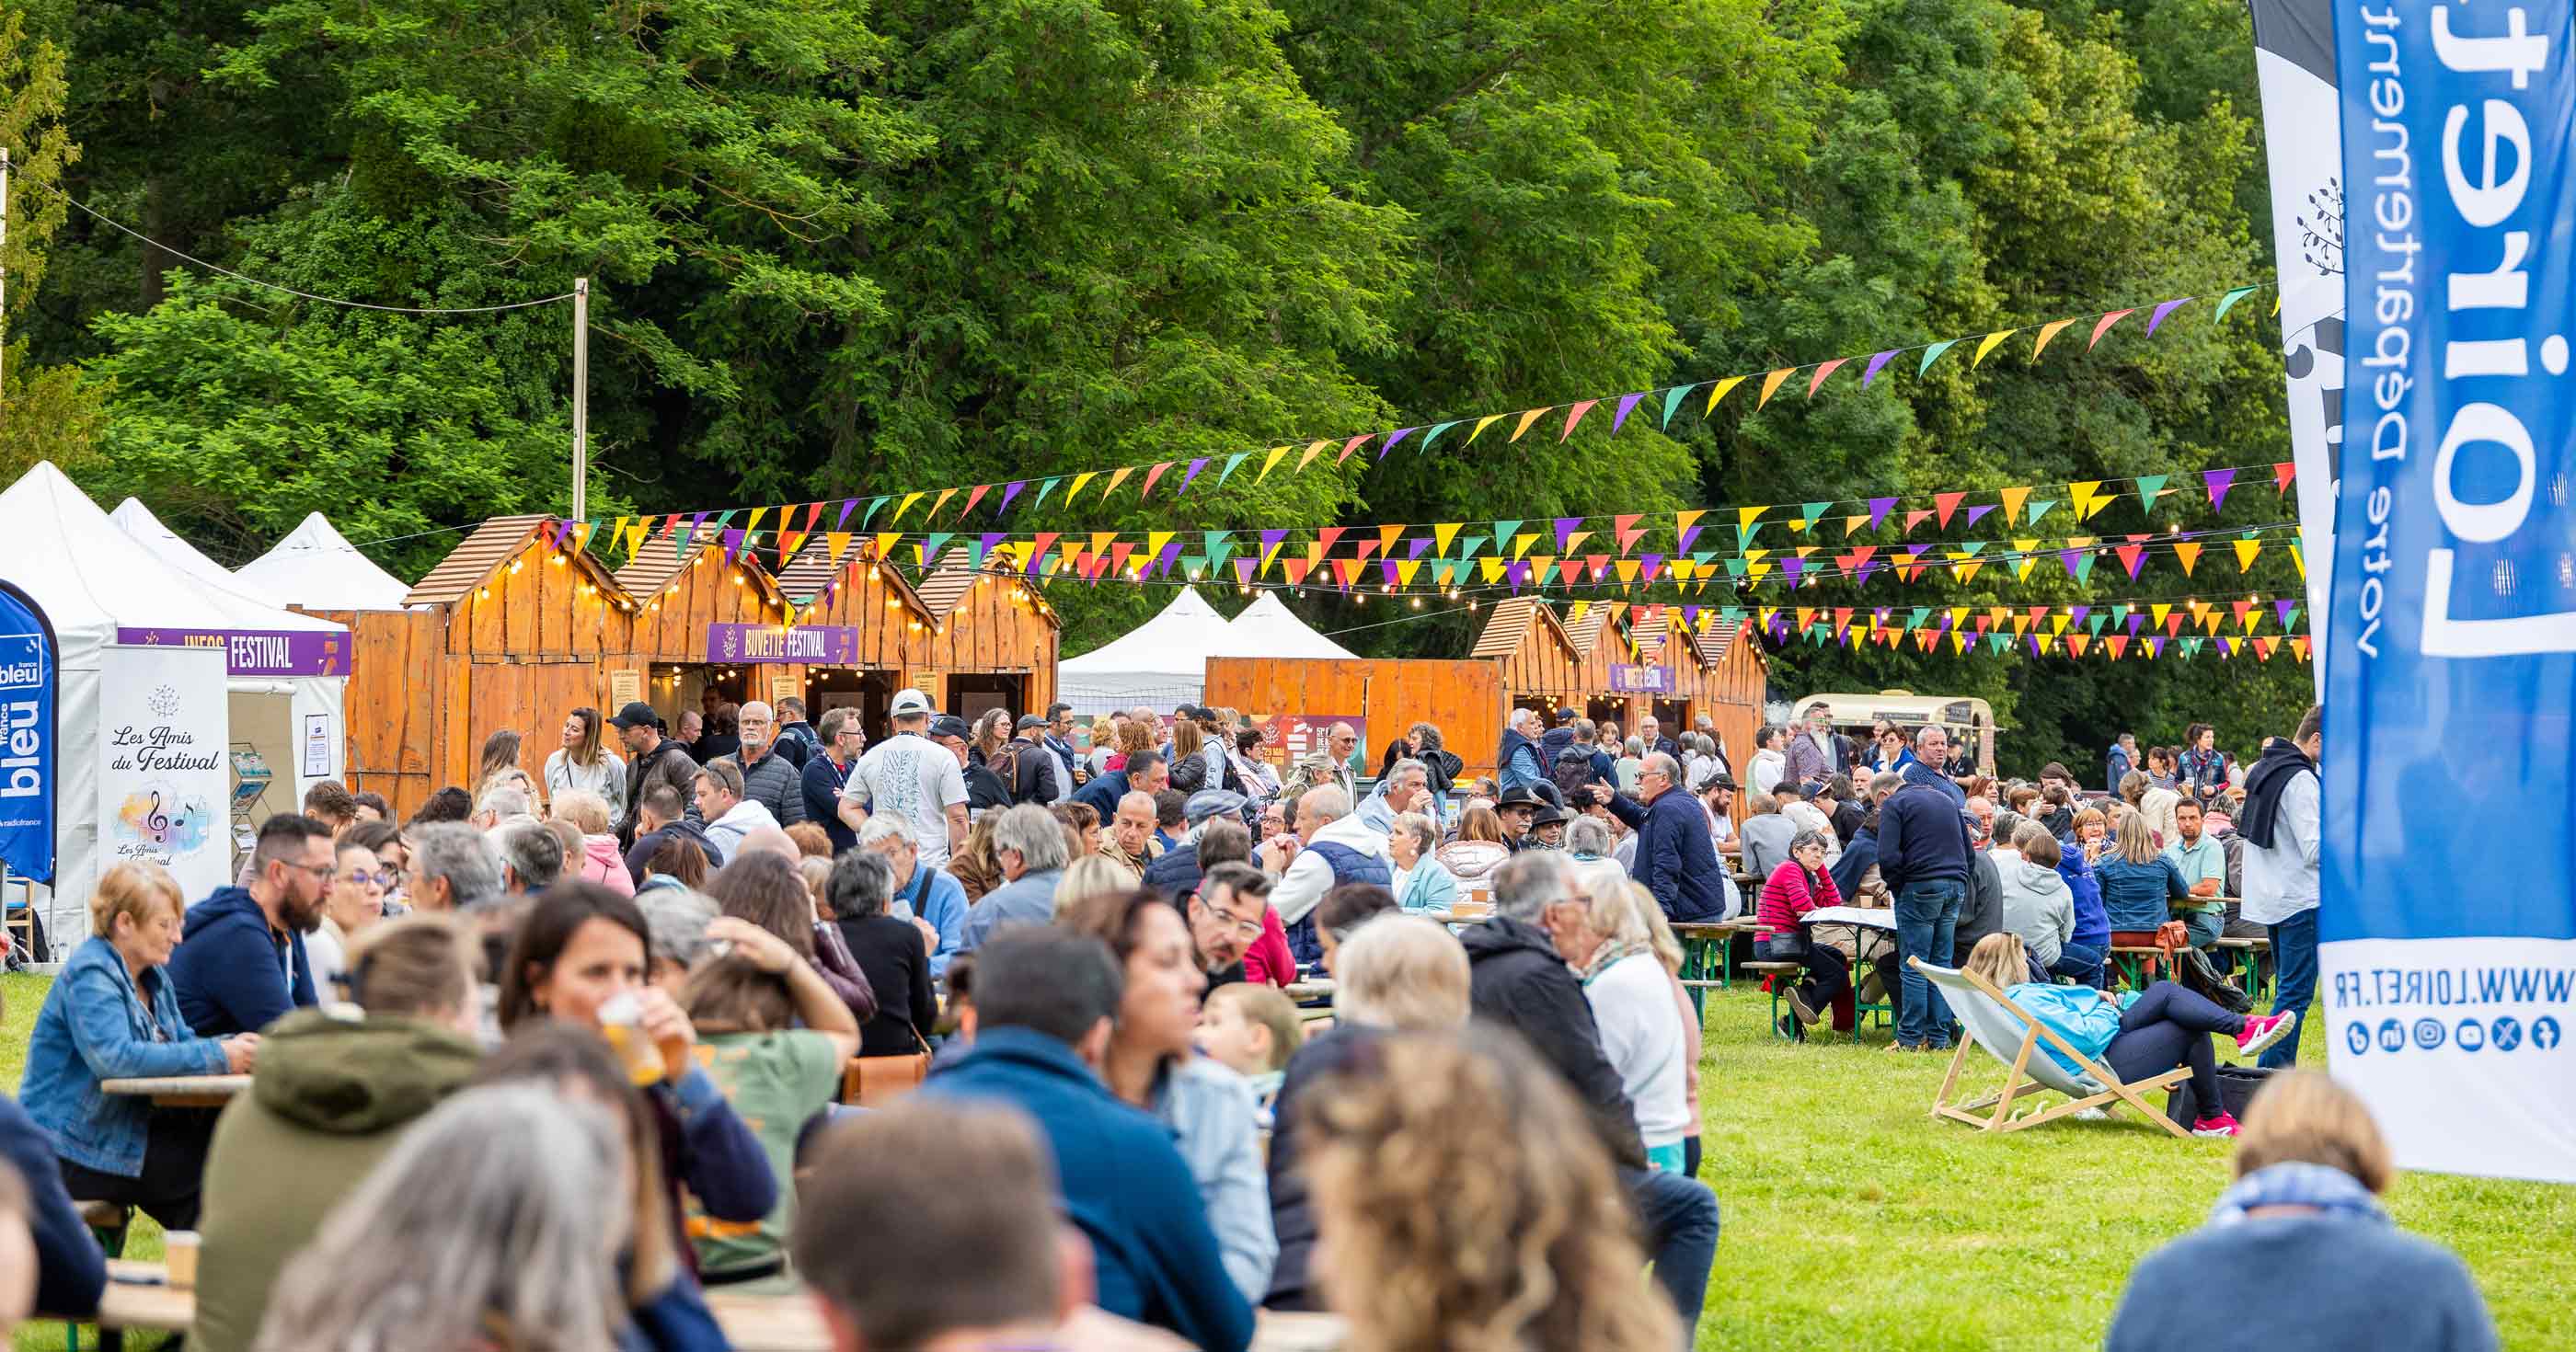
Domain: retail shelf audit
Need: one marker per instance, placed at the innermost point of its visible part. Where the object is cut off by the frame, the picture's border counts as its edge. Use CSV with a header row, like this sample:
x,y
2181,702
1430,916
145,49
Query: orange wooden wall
x,y
1464,699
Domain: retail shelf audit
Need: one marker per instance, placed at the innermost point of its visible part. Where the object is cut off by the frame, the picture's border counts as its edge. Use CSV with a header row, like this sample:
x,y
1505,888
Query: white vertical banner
x,y
163,730
2294,62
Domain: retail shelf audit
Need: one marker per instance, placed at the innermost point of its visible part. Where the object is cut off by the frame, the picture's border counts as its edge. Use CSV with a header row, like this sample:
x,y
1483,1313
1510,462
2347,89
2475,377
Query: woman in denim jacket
x,y
113,1015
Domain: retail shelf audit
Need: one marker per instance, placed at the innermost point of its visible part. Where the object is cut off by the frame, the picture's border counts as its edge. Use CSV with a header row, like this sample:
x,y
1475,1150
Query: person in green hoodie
x,y
335,1088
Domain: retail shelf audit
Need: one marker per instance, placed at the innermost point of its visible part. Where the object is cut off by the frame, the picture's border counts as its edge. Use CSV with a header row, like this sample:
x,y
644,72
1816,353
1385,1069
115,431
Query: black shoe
x,y
1788,1028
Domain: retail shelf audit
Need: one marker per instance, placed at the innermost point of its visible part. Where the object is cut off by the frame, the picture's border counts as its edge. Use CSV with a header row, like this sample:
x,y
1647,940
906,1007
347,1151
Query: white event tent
x,y
1267,628
1161,663
112,600
317,568
137,520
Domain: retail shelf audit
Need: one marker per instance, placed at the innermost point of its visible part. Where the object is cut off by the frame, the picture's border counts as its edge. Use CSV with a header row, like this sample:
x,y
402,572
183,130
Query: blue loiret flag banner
x,y
29,669
2448,923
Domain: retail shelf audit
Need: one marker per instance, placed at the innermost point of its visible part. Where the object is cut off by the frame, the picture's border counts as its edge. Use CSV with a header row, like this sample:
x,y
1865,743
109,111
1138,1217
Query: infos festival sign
x,y
2449,869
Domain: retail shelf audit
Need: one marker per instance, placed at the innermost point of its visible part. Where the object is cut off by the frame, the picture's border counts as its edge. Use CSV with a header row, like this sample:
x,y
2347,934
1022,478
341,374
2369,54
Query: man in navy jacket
x,y
1676,856
240,964
1923,857
1043,1004
70,1271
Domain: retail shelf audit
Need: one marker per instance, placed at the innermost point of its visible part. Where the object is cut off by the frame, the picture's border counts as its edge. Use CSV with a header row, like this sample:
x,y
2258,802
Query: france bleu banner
x,y
29,668
2448,928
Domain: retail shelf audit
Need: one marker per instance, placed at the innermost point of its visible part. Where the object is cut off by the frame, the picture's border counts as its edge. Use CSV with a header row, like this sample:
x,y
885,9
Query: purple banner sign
x,y
1628,678
836,644
257,652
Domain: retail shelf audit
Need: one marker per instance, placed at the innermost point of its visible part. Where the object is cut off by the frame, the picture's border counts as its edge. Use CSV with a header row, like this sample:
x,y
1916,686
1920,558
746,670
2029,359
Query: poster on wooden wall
x,y
1286,737
625,686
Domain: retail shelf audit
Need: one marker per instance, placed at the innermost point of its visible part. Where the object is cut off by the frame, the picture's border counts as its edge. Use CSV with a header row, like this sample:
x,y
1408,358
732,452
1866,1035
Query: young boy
x,y
1251,1029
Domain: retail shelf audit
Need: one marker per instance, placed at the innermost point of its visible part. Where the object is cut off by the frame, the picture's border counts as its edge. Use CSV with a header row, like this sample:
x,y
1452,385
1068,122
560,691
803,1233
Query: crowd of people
x,y
730,1023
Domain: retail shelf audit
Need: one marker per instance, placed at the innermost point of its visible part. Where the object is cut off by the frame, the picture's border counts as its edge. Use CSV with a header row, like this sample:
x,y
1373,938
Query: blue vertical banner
x,y
30,747
2448,923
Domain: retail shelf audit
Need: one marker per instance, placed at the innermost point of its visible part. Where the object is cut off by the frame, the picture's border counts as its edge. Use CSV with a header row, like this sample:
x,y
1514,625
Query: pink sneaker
x,y
2222,1125
2262,1031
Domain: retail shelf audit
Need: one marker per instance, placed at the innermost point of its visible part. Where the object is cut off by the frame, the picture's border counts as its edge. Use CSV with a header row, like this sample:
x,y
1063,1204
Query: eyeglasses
x,y
325,872
1248,928
385,879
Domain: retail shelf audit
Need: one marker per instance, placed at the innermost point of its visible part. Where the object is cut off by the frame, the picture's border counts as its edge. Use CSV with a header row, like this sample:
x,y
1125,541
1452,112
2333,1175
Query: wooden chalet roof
x,y
486,551
811,571
945,589
1585,630
1511,623
657,565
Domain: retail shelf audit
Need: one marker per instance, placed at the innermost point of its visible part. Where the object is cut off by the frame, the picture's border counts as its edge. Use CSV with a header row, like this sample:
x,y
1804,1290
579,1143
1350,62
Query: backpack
x,y
1006,763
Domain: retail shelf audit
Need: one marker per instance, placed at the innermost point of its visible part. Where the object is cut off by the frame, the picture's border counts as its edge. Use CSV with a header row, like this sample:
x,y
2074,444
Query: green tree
x,y
46,412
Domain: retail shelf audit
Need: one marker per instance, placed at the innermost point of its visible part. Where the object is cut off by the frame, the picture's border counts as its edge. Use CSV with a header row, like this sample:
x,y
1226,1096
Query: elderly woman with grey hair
x,y
1610,946
893,952
453,868
1421,884
495,1221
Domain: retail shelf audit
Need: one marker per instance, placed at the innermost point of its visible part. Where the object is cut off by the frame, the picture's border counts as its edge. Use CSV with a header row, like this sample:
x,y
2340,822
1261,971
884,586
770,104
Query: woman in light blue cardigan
x,y
112,1014
1421,884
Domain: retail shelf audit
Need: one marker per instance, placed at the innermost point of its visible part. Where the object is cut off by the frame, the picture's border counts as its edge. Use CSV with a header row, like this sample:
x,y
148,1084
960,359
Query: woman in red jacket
x,y
1798,886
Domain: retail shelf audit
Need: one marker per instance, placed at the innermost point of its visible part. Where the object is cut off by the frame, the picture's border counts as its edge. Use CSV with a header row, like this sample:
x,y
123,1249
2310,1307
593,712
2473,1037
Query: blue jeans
x,y
1678,1216
2294,952
2079,962
1927,921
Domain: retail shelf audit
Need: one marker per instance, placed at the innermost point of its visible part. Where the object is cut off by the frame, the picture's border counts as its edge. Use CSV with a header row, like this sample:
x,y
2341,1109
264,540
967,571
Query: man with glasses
x,y
241,964
768,777
1227,918
828,773
1676,857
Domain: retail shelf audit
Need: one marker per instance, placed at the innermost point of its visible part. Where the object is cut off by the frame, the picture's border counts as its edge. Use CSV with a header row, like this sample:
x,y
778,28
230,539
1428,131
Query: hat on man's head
x,y
909,702
1518,796
1549,814
1208,803
948,725
1028,721
1190,711
637,714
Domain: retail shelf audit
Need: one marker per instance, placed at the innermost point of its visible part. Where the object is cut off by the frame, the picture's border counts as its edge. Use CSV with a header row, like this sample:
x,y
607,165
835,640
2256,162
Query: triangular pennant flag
x,y
1270,462
908,500
944,495
1575,415
2287,610
1686,529
1878,510
1043,490
1192,473
1719,392
1521,544
2013,499
2246,550
1933,353
2228,301
1352,445
2025,556
1988,345
2217,481
973,498
1393,437
1069,494
1388,535
2038,510
1626,402
1526,419
1307,457
1012,490
1117,477
2282,474
2103,326
2132,556
1876,363
1443,533
1673,400
1916,518
1481,424
1822,371
2245,616
2046,332
2149,486
1945,504
1434,435
1624,529
2162,310
1977,510
1230,462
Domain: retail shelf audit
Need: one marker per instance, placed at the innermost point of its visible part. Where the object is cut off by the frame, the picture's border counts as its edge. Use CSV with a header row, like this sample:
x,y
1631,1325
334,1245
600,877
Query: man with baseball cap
x,y
918,780
651,759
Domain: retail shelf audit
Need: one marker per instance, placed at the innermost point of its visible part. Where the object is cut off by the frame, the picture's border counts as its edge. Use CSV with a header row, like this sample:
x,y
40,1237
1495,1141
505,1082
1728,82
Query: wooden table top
x,y
181,1091
138,1297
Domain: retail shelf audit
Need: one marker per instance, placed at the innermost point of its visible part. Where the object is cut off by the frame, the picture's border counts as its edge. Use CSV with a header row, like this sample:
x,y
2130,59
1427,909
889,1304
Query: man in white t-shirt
x,y
914,778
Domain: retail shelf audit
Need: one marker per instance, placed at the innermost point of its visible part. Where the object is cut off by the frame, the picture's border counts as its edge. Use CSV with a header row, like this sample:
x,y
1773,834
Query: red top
x,y
1791,892
1269,959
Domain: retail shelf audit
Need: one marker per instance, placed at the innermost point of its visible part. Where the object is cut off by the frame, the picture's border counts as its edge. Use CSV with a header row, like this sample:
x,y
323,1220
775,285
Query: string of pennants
x,y
1663,404
1508,550
2126,630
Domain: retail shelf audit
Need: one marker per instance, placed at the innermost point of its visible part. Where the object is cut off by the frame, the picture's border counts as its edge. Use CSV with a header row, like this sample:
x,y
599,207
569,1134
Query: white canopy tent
x,y
1161,663
317,568
1267,628
111,598
137,520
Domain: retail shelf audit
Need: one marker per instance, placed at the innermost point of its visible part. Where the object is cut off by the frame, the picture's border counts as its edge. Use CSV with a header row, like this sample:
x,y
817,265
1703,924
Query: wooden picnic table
x,y
1313,988
181,1091
139,1296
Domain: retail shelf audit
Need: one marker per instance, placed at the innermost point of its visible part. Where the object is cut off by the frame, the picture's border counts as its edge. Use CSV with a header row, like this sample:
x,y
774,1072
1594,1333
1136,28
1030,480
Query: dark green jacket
x,y
332,1091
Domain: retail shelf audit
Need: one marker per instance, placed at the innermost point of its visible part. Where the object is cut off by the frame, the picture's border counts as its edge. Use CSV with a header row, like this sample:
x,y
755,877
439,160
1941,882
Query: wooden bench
x,y
1767,968
2135,962
2248,954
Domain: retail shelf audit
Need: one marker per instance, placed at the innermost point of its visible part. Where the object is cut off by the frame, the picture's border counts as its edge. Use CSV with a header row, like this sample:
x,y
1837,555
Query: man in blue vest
x,y
1336,848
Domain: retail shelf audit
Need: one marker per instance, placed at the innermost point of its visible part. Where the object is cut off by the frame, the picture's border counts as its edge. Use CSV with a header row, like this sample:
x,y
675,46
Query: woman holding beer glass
x,y
580,957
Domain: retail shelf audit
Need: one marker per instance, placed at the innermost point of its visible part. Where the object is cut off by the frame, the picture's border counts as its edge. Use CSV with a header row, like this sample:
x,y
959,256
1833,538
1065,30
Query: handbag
x,y
2237,1086
875,1081
2198,975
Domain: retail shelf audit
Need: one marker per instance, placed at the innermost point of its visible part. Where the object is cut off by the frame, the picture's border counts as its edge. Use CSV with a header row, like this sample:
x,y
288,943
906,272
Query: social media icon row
x,y
2503,1033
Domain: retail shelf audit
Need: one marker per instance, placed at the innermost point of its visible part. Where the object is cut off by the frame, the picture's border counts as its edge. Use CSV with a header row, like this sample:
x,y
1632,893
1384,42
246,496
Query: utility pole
x,y
4,270
580,398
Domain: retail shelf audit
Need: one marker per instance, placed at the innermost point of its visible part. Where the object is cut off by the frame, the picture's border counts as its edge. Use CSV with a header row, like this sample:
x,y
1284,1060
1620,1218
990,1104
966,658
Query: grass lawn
x,y
1853,1218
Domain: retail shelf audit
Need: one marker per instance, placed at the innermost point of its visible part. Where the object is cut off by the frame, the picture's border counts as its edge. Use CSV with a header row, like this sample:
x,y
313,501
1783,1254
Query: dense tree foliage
x,y
842,247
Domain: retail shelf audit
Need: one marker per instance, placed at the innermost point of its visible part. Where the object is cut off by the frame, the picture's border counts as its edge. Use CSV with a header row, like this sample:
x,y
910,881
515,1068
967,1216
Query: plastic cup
x,y
621,1022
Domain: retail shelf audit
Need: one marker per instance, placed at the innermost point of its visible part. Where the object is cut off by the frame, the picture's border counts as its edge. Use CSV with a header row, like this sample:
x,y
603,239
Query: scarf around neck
x,y
1610,953
2298,1183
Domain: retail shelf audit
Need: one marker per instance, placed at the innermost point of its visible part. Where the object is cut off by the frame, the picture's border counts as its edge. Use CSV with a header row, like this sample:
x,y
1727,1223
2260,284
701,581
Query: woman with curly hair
x,y
1524,1244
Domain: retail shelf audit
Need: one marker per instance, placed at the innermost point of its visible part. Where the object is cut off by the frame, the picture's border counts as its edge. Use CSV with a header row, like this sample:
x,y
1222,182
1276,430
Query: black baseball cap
x,y
948,725
637,714
1028,721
